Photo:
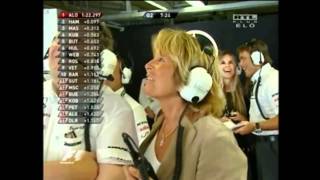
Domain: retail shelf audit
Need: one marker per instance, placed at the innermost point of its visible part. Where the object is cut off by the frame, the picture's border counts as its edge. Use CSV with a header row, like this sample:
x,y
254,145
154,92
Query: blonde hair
x,y
237,96
185,52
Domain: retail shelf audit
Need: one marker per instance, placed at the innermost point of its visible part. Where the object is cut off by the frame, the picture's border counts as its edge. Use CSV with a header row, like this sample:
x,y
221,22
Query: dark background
x,y
136,41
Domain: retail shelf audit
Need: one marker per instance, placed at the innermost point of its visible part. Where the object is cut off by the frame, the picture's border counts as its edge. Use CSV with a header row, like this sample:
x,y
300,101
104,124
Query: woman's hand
x,y
132,173
224,119
246,128
236,116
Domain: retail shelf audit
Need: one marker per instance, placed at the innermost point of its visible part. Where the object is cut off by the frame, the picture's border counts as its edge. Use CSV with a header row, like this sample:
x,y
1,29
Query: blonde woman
x,y
235,109
208,149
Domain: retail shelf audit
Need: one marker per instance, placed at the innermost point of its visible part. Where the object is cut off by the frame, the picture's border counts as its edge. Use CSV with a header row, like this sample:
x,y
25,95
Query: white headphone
x,y
257,58
199,81
126,72
126,75
213,42
198,85
108,63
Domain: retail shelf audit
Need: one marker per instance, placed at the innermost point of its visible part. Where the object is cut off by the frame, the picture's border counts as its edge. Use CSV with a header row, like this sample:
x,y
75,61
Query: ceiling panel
x,y
127,13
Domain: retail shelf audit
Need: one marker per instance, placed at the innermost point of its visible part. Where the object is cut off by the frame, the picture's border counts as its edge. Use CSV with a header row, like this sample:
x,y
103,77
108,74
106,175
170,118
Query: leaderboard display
x,y
79,66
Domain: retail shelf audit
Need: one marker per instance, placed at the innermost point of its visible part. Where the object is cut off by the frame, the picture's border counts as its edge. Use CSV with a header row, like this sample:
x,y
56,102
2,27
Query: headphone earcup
x,y
208,50
257,58
126,75
198,85
108,62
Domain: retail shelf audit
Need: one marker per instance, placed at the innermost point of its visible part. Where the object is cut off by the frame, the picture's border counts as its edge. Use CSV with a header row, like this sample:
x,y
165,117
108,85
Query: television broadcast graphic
x,y
78,76
145,89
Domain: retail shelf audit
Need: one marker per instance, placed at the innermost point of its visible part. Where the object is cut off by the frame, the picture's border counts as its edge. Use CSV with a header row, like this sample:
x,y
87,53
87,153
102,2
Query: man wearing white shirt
x,y
122,75
64,144
264,120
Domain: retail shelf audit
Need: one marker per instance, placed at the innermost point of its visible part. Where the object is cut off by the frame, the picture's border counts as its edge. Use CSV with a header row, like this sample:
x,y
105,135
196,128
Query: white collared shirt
x,y
140,117
151,156
268,96
105,137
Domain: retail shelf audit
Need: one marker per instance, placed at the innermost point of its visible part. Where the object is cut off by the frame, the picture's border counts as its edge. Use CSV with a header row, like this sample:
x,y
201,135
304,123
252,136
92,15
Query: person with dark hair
x,y
255,61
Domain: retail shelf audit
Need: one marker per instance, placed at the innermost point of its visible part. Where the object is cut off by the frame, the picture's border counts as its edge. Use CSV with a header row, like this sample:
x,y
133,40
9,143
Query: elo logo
x,y
245,20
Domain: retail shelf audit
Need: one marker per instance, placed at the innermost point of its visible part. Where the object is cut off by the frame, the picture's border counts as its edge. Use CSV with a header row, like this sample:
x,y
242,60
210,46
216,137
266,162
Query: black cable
x,y
177,168
178,165
87,130
256,96
90,110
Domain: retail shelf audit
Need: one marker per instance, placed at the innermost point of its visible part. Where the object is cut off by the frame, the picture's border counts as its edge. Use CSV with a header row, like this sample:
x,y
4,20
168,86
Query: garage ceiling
x,y
120,14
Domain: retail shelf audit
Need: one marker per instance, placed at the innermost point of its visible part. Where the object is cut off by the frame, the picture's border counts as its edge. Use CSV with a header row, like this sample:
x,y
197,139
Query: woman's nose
x,y
148,65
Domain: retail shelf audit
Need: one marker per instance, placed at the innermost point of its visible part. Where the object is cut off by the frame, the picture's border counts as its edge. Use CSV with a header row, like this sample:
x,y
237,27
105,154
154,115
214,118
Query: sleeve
x,y
142,126
110,146
221,159
273,94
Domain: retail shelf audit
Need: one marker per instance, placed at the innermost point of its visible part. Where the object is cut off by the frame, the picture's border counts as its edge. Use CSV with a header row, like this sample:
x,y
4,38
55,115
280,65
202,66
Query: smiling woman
x,y
235,109
231,82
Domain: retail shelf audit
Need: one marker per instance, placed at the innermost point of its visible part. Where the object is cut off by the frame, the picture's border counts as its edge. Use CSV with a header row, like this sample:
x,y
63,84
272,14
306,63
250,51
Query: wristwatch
x,y
258,128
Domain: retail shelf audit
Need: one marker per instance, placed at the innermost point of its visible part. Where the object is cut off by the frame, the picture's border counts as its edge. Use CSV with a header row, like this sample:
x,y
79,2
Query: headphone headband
x,y
256,55
213,42
199,81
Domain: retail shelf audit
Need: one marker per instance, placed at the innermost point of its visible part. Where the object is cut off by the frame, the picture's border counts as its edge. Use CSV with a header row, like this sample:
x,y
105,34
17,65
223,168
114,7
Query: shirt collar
x,y
106,88
121,91
264,70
